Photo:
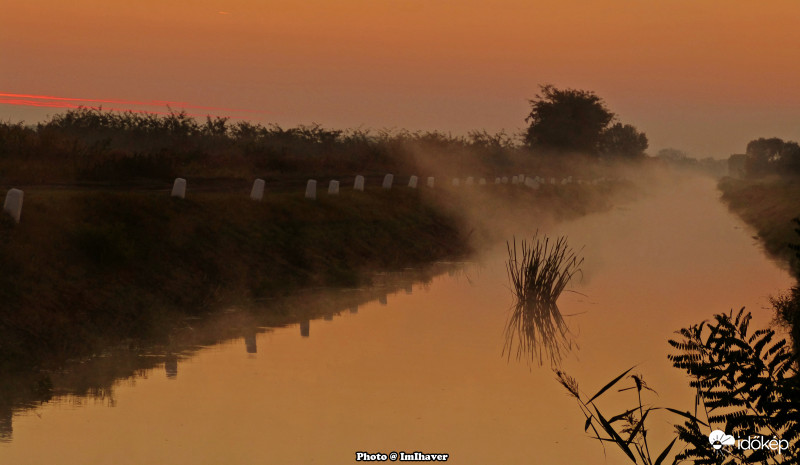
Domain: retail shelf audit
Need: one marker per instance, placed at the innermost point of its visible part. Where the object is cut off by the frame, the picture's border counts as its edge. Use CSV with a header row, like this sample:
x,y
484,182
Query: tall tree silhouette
x,y
566,120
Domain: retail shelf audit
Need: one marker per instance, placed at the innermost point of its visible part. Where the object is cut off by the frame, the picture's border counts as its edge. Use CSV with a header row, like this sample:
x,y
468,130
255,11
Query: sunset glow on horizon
x,y
702,76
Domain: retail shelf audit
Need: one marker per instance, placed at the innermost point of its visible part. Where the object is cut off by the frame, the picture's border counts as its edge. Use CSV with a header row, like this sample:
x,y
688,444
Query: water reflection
x,y
171,366
250,342
98,377
6,428
423,372
539,271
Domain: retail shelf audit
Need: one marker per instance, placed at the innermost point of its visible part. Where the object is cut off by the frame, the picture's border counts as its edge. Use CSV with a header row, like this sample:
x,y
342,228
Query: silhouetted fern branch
x,y
747,384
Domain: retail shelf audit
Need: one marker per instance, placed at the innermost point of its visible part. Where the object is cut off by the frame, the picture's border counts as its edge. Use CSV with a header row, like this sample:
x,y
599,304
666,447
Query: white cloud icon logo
x,y
718,438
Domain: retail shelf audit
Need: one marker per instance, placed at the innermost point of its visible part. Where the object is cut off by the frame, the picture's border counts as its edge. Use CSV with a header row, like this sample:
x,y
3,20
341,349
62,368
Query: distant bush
x,y
771,156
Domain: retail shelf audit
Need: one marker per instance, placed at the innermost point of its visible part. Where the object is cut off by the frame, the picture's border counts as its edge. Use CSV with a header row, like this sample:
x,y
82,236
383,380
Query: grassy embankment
x,y
84,269
103,254
770,205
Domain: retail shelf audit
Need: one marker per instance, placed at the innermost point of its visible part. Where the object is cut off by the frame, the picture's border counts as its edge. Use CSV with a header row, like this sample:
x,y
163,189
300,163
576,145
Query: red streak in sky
x,y
46,104
65,102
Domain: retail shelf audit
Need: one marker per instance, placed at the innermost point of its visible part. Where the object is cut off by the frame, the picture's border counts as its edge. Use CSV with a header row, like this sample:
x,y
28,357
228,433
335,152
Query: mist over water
x,y
425,371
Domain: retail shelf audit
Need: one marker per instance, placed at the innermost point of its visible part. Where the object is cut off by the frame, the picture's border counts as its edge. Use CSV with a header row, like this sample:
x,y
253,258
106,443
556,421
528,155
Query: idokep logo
x,y
718,438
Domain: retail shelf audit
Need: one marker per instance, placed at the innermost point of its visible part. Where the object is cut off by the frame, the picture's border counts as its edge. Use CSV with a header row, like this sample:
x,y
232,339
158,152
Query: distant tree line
x,y
767,156
96,145
677,158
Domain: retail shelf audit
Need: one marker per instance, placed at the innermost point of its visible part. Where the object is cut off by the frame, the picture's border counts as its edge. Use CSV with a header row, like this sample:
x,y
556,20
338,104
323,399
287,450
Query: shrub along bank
x,y
771,206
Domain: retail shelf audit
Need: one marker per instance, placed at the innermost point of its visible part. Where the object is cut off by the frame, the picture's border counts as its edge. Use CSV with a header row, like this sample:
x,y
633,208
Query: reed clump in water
x,y
539,271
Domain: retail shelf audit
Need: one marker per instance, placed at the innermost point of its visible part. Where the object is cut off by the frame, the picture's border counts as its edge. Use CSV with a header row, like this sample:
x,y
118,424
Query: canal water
x,y
421,369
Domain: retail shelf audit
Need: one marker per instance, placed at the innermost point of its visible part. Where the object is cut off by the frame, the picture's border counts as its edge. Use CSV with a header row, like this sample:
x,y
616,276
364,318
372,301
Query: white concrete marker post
x,y
257,193
514,180
504,180
482,181
387,181
311,189
497,180
412,182
456,182
333,188
430,182
13,204
470,181
179,188
358,185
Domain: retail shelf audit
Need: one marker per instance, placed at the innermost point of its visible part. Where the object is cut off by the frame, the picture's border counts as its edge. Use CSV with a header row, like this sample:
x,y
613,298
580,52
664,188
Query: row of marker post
x,y
13,202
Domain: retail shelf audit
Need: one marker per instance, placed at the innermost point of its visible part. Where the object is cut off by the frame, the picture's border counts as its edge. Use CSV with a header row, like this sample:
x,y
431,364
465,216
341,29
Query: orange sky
x,y
702,75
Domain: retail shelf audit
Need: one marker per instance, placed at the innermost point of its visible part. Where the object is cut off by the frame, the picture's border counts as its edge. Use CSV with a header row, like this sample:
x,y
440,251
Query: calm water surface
x,y
424,371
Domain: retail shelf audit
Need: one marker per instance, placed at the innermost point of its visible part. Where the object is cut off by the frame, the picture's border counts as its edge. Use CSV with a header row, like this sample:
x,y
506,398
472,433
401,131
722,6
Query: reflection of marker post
x,y
171,366
250,343
382,299
305,328
328,317
6,424
354,309
409,289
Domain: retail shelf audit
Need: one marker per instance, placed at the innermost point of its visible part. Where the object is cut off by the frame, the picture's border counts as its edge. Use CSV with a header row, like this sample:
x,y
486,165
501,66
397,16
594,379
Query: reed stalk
x,y
539,271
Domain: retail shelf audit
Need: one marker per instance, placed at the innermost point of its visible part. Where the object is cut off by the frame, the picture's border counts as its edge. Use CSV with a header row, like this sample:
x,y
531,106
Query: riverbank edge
x,y
770,205
90,269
